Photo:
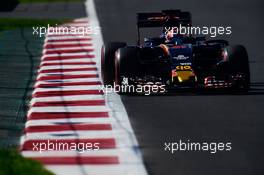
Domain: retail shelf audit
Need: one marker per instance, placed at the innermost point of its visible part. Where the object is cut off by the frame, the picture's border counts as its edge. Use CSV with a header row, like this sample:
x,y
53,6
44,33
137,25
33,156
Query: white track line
x,y
69,109
113,100
122,138
126,155
66,67
76,120
68,48
68,88
67,98
67,73
67,54
122,169
70,80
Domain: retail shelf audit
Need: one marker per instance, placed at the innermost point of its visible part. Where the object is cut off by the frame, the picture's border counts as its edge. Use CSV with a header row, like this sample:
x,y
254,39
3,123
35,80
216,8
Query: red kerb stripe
x,y
98,160
68,70
50,85
67,93
52,46
63,115
70,39
70,103
68,63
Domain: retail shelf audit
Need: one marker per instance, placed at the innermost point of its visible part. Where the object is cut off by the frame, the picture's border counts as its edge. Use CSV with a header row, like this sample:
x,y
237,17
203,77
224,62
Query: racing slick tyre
x,y
238,60
108,62
126,66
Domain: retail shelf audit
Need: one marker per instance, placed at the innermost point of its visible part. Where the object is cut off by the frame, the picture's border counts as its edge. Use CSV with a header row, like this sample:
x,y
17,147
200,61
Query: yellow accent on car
x,y
185,76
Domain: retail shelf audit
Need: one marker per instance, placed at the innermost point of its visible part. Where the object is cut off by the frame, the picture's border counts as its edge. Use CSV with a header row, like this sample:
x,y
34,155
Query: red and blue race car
x,y
175,61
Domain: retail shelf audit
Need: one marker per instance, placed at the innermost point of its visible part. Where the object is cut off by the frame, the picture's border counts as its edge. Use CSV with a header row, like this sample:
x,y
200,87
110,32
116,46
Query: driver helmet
x,y
173,38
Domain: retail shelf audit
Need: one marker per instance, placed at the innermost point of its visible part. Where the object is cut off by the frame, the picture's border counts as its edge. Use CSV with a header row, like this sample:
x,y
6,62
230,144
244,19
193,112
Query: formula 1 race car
x,y
175,61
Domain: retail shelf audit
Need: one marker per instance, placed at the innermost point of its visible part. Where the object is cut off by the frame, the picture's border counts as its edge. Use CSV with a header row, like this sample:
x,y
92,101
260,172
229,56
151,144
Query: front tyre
x,y
108,61
126,66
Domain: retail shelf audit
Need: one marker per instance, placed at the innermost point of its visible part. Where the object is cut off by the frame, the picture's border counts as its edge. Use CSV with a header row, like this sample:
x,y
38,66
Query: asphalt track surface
x,y
203,117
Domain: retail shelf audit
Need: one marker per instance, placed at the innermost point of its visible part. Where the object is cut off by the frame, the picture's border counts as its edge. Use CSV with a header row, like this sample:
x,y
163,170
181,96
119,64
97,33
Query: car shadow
x,y
256,88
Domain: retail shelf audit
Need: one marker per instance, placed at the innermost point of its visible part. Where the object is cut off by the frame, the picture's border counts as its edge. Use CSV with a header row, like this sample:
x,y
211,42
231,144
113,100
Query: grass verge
x,y
12,163
13,23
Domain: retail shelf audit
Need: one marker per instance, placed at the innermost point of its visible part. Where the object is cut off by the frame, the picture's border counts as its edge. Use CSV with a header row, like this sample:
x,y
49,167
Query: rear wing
x,y
165,18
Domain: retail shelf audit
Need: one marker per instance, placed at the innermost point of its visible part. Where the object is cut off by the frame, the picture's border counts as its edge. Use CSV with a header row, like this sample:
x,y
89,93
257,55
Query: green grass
x,y
13,23
12,163
35,1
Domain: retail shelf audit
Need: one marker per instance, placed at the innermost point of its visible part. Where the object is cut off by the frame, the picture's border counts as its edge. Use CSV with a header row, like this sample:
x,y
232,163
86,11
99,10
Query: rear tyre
x,y
237,58
108,61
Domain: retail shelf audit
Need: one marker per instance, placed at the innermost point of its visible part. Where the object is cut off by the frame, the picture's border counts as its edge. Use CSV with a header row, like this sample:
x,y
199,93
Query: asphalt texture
x,y
231,118
20,54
